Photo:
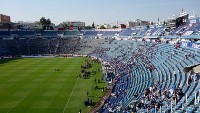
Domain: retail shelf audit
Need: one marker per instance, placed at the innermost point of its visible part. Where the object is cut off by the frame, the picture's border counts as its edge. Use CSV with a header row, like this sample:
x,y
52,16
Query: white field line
x,y
69,97
16,104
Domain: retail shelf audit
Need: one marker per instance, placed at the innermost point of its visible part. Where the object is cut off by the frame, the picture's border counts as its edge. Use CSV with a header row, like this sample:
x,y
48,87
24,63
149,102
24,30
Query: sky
x,y
97,11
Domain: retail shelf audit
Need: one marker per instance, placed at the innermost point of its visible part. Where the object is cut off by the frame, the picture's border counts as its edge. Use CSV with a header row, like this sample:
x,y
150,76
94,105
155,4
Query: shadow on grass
x,y
7,60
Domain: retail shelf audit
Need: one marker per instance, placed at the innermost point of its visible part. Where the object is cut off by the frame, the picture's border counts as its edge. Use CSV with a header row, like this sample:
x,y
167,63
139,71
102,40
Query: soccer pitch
x,y
32,85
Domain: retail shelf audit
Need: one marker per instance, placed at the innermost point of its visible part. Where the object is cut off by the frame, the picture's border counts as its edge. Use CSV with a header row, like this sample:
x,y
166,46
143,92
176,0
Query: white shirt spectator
x,y
174,72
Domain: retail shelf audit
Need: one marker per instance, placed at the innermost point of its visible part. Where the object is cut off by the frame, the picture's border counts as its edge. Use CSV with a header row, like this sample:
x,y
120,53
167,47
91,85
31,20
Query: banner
x,y
190,44
196,45
185,44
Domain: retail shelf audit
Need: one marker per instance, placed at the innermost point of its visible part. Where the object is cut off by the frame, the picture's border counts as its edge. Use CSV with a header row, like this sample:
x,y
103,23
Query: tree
x,y
65,25
88,27
48,22
93,25
37,22
114,27
43,21
102,27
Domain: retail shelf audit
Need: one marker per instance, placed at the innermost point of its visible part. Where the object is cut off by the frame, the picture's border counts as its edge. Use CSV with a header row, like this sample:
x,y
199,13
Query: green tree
x,y
48,22
102,27
43,21
88,27
65,25
114,27
93,25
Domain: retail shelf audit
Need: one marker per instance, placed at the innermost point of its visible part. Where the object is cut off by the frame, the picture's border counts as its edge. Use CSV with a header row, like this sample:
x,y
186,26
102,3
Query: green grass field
x,y
32,85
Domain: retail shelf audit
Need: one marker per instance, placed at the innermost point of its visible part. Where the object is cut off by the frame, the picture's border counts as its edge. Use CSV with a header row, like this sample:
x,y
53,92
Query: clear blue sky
x,y
99,11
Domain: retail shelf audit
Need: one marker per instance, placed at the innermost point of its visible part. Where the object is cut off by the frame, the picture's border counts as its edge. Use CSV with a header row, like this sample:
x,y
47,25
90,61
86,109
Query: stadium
x,y
142,69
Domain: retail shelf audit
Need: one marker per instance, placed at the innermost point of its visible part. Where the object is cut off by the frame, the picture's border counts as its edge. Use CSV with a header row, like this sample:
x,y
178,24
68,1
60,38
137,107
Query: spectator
x,y
189,80
174,73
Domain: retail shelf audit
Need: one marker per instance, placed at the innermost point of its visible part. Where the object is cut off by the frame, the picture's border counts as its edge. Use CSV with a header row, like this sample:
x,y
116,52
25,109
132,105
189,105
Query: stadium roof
x,y
169,36
191,36
197,69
